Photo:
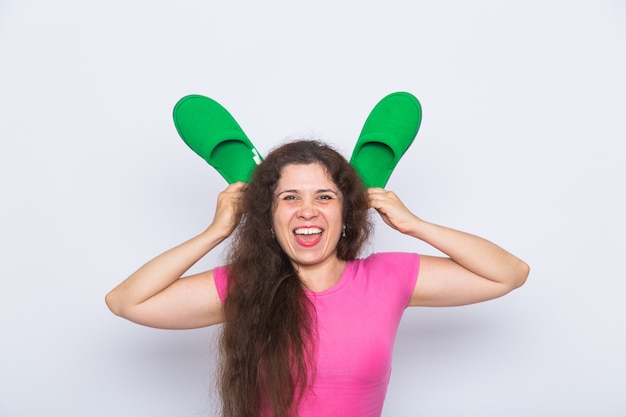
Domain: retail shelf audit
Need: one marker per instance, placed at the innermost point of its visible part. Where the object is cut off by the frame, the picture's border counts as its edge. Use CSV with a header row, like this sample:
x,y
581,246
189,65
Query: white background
x,y
521,142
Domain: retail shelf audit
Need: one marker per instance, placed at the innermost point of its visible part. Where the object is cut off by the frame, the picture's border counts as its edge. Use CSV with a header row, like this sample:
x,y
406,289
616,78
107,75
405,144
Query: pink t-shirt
x,y
357,323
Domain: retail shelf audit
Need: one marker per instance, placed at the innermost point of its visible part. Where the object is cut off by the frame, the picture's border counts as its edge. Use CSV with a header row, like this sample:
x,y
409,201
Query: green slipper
x,y
388,132
211,132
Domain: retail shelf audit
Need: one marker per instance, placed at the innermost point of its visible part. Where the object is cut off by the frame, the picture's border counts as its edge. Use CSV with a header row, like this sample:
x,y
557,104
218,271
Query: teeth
x,y
308,231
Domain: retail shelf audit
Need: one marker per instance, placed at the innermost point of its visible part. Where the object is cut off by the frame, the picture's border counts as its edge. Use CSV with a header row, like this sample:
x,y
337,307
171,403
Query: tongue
x,y
308,239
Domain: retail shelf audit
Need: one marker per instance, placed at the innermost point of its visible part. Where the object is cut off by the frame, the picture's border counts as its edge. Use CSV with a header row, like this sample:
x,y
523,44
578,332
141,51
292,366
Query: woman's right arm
x,y
156,295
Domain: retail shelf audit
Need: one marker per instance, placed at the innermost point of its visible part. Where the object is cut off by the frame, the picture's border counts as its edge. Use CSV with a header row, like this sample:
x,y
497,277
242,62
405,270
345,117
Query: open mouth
x,y
308,236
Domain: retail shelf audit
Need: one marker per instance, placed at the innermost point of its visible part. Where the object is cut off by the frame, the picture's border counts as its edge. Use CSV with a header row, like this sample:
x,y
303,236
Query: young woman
x,y
308,326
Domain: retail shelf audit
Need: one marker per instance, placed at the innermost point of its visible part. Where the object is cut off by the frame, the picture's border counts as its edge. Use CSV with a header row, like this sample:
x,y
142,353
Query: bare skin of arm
x,y
157,295
475,270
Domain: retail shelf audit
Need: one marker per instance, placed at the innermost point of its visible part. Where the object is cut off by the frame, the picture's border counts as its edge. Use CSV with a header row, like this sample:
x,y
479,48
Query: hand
x,y
392,210
228,213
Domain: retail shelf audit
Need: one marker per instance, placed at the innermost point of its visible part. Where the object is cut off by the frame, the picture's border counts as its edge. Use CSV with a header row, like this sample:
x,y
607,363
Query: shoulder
x,y
389,272
401,266
390,261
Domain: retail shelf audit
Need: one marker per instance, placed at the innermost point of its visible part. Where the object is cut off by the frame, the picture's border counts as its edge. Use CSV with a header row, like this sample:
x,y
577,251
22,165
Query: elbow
x,y
112,302
522,271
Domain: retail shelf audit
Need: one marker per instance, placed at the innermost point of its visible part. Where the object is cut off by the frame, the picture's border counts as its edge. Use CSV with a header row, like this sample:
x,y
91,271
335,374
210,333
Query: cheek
x,y
281,235
280,225
279,217
335,215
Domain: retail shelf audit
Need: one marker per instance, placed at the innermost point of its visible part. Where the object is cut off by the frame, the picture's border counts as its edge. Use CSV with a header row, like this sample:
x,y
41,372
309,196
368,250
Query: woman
x,y
308,327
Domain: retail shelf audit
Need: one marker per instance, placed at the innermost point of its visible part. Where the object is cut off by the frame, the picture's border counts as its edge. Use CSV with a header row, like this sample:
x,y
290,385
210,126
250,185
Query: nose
x,y
307,210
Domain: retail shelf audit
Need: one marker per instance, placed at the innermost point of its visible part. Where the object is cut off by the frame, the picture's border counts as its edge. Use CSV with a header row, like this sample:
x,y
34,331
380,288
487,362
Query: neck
x,y
320,277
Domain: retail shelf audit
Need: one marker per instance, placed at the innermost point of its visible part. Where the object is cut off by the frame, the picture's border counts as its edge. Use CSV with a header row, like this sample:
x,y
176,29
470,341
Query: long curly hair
x,y
269,336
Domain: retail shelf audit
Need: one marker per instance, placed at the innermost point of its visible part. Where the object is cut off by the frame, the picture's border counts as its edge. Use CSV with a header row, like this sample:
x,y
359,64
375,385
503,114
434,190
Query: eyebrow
x,y
322,190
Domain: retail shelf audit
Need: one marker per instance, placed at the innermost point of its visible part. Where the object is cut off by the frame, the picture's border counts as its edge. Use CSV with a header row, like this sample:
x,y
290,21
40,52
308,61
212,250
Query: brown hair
x,y
268,339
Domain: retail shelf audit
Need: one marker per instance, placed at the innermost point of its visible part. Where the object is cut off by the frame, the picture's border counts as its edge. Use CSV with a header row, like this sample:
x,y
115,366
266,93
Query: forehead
x,y
305,176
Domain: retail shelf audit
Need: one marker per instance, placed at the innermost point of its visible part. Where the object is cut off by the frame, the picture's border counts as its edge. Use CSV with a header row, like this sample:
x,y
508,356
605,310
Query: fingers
x,y
228,211
233,192
391,209
236,186
379,198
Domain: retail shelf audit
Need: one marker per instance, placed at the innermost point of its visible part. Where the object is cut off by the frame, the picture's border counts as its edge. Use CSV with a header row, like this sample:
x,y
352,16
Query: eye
x,y
325,197
289,197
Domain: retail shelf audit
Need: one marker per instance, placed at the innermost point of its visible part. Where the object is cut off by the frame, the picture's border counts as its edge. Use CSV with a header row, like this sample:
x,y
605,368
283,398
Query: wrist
x,y
418,228
215,234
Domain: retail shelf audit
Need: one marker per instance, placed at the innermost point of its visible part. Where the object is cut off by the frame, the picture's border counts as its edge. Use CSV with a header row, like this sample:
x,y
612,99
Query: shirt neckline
x,y
348,273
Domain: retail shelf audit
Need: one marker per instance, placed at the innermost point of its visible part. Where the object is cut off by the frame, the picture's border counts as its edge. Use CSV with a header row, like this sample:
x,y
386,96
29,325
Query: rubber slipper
x,y
388,132
211,132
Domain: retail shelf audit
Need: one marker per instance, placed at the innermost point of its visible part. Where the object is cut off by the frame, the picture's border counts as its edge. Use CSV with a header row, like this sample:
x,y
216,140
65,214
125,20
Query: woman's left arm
x,y
475,269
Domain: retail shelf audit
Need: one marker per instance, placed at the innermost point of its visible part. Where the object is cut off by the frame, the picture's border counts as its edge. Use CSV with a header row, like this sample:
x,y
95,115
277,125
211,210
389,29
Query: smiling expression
x,y
307,214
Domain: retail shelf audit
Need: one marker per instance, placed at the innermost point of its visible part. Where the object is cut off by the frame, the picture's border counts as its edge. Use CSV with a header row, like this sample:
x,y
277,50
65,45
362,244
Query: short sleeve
x,y
220,277
401,270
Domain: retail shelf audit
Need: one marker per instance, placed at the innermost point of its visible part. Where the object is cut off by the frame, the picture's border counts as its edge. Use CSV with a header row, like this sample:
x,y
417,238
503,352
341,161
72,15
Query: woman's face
x,y
307,214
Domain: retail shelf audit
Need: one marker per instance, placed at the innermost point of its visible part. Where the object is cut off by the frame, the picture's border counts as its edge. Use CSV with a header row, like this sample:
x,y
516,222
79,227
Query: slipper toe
x,y
387,133
212,133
